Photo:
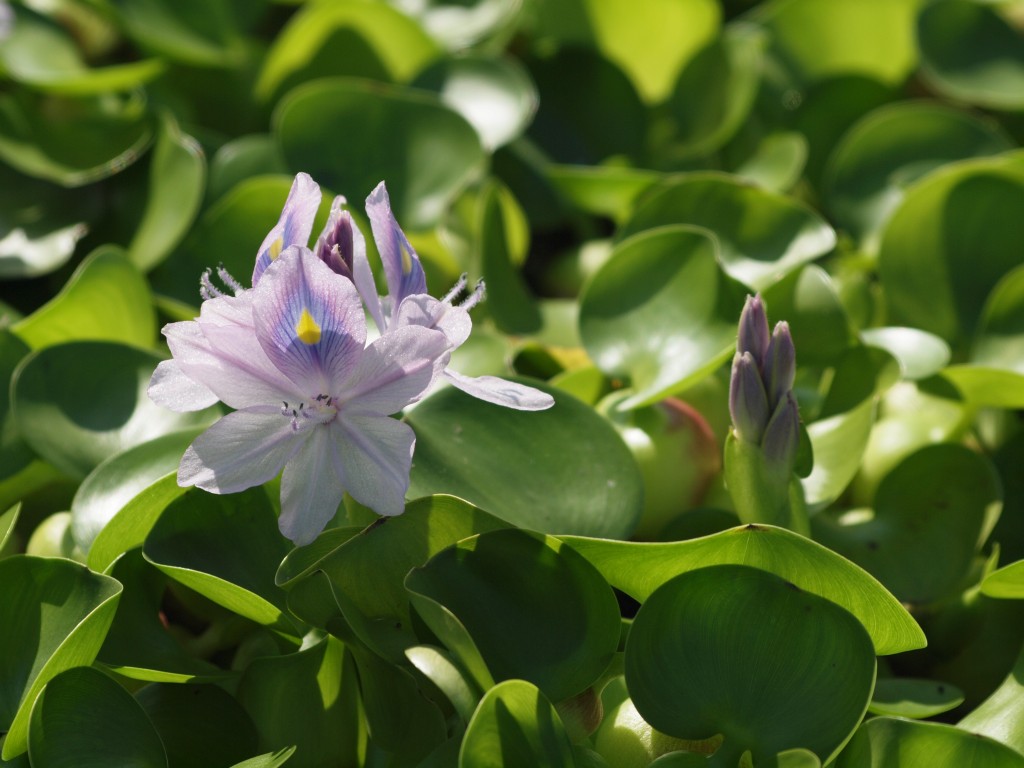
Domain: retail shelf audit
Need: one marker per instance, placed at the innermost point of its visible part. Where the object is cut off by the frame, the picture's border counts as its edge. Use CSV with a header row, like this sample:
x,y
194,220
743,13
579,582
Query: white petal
x,y
374,456
501,392
427,312
395,370
310,489
172,388
243,449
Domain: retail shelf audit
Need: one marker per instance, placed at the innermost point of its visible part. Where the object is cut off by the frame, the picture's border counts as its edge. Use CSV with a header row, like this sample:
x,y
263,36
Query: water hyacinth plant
x,y
605,515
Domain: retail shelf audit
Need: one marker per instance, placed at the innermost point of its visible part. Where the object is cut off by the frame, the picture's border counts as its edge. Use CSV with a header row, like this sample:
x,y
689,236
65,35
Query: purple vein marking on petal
x,y
402,266
294,225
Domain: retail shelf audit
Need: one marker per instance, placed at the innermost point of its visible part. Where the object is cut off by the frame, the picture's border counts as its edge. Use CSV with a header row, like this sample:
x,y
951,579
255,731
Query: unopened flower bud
x,y
782,436
779,365
335,247
753,331
748,402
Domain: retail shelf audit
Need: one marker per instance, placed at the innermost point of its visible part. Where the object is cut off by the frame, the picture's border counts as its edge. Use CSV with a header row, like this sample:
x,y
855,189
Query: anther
x,y
207,290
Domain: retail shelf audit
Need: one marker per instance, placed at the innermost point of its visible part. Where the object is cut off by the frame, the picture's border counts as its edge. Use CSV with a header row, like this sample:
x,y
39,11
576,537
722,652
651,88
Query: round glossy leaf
x,y
464,23
1001,715
515,724
513,464
83,719
534,608
838,442
603,190
495,95
15,454
308,699
715,91
350,37
234,162
808,301
931,515
119,479
928,260
383,554
891,148
762,236
129,527
42,223
885,741
660,313
913,698
874,38
970,53
999,345
269,760
203,33
72,141
228,233
443,671
778,161
651,54
810,566
138,645
198,724
919,354
982,386
38,53
39,644
690,666
106,298
78,404
177,177
425,151
225,548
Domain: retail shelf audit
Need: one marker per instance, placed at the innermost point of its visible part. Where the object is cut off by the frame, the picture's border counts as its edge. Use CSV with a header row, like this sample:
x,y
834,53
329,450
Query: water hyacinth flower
x,y
312,398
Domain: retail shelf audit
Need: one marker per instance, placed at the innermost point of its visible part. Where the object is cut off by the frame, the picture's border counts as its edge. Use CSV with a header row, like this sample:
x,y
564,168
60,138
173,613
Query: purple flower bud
x,y
335,247
779,365
782,436
748,403
753,333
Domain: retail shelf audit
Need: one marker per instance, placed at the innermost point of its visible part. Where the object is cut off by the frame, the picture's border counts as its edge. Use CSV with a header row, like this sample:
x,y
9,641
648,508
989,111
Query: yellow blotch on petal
x,y
275,248
306,329
406,261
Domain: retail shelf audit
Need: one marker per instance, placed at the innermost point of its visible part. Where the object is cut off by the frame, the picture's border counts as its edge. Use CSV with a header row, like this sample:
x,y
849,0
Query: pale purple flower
x,y
311,397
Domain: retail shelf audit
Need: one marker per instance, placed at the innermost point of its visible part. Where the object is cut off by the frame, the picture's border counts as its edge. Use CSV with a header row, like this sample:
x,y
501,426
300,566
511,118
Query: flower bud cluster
x,y
761,401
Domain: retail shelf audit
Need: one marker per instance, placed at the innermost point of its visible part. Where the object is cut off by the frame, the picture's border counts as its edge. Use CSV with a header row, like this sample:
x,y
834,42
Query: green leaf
x,y
885,741
508,299
38,53
444,672
72,141
308,699
1006,582
177,178
970,53
464,24
83,718
515,724
762,236
40,644
107,280
495,95
426,152
928,259
1001,715
691,668
660,312
269,760
198,724
7,522
778,161
838,442
42,223
351,37
807,300
888,150
513,464
108,488
15,454
129,527
225,548
603,190
723,78
931,515
383,554
913,698
239,159
651,54
198,32
78,404
873,38
919,353
534,608
810,566
138,645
